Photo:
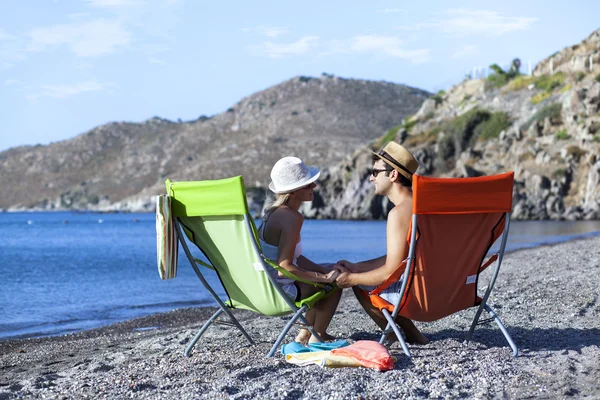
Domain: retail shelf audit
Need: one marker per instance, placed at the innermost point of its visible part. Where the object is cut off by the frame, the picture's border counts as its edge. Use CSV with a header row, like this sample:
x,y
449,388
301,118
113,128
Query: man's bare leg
x,y
412,333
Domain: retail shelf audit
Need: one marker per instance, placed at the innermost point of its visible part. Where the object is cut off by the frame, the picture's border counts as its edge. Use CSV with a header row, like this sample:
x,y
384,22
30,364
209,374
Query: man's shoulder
x,y
401,211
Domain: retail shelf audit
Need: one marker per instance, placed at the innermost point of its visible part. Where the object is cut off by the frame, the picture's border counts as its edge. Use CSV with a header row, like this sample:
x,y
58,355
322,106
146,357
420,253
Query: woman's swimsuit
x,y
272,253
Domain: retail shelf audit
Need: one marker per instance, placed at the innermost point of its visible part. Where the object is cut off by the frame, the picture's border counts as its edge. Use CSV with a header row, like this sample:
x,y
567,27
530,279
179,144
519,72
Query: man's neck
x,y
398,193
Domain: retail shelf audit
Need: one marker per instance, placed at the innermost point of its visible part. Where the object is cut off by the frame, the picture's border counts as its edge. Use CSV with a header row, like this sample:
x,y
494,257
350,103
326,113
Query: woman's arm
x,y
291,224
307,265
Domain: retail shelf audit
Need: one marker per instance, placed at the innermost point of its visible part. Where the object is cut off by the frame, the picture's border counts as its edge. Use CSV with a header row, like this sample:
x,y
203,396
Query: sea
x,y
65,272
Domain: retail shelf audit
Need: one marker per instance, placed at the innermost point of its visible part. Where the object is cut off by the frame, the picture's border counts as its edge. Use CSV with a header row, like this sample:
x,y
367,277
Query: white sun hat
x,y
290,173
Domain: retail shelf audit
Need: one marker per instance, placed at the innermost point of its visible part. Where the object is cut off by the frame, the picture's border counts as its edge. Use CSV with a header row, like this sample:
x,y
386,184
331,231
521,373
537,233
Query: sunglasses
x,y
376,171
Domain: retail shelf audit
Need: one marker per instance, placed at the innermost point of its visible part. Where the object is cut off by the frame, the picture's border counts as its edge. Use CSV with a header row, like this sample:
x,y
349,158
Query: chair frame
x,y
298,313
393,327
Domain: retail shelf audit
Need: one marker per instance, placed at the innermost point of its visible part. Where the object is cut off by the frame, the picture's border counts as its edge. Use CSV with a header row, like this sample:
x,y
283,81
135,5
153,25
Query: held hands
x,y
347,265
332,276
343,279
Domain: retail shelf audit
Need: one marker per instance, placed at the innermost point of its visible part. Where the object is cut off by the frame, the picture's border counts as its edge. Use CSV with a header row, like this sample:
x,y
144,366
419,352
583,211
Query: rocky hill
x,y
120,166
545,127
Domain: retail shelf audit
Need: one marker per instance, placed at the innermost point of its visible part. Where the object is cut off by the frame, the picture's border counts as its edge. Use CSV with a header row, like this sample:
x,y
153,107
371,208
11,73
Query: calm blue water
x,y
65,272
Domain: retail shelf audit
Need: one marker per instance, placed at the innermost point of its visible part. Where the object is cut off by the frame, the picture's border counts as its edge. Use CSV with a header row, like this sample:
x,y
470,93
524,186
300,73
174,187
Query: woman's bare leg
x,y
320,315
412,333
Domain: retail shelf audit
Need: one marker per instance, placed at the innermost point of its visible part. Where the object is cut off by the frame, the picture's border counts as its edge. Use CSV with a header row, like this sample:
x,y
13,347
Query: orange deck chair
x,y
455,222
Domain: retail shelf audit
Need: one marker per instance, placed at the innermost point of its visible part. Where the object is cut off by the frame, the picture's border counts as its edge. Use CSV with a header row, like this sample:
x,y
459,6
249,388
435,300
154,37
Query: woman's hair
x,y
280,199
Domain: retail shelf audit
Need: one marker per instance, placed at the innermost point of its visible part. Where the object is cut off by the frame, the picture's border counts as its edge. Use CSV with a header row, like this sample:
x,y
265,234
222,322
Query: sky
x,y
69,66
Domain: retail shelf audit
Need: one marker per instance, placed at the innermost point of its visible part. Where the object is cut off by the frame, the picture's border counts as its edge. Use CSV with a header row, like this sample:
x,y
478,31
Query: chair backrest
x,y
457,221
214,216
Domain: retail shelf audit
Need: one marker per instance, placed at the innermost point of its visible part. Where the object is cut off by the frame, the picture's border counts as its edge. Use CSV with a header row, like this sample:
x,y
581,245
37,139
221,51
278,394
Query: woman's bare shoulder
x,y
287,216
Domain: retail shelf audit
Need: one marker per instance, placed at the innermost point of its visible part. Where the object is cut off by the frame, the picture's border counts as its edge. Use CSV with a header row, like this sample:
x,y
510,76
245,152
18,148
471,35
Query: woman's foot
x,y
303,337
325,336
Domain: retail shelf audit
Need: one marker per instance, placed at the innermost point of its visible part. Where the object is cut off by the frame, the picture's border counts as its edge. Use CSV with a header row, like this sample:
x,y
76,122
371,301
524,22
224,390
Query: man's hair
x,y
404,181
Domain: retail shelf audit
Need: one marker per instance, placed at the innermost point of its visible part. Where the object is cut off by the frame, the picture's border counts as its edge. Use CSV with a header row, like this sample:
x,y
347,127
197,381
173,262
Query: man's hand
x,y
352,267
343,280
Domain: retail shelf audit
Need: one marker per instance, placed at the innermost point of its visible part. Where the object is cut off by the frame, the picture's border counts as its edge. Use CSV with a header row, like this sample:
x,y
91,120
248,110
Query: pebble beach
x,y
547,297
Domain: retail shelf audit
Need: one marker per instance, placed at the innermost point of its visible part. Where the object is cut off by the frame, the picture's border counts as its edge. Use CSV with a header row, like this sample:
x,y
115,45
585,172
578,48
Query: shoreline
x,y
156,315
546,296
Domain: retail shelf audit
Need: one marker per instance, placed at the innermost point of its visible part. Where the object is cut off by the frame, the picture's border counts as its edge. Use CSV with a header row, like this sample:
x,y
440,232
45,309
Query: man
x,y
392,175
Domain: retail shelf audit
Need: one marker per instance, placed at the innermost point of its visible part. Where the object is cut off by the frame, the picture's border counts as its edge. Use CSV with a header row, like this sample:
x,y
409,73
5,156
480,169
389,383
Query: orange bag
x,y
368,353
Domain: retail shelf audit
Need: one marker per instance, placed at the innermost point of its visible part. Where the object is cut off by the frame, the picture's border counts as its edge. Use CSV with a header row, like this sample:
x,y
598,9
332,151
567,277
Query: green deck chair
x,y
214,216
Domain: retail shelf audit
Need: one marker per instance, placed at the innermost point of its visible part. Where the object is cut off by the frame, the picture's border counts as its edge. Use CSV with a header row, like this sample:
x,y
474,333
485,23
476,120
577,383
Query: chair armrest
x,y
290,275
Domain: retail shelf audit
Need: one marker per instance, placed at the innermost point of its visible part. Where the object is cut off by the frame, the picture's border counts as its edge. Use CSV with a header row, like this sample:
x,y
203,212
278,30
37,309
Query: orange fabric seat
x,y
459,219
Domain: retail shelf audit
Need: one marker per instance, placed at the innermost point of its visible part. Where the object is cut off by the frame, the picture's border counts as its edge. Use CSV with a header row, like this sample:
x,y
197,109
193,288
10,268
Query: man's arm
x,y
396,232
363,266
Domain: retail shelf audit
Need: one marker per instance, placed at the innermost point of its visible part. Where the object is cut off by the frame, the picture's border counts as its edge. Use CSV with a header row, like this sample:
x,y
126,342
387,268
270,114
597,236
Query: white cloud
x,y
388,45
278,50
267,30
85,39
112,3
464,22
473,22
156,61
392,10
64,91
467,50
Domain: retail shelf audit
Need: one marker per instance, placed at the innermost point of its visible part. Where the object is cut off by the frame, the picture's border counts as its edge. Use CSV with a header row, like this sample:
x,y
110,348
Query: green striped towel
x,y
166,239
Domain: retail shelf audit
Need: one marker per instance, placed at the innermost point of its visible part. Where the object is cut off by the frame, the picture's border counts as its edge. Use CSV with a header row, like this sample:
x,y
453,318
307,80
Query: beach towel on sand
x,y
322,358
295,347
368,353
364,353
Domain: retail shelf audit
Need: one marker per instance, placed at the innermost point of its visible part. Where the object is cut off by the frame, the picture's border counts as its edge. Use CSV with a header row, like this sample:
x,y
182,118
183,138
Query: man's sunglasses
x,y
376,171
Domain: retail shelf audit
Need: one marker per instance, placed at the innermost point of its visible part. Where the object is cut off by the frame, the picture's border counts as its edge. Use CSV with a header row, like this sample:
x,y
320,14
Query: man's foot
x,y
419,339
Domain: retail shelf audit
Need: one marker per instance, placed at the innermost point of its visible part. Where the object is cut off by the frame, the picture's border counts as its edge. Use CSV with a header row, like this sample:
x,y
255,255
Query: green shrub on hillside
x,y
543,82
579,76
392,132
491,128
597,78
521,82
550,82
462,131
446,148
562,135
541,96
552,111
500,77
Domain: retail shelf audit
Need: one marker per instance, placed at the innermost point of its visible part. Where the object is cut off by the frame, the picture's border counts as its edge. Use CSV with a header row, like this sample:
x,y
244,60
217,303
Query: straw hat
x,y
399,158
290,173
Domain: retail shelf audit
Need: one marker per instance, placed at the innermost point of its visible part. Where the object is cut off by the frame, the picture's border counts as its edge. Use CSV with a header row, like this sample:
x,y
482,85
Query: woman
x,y
293,183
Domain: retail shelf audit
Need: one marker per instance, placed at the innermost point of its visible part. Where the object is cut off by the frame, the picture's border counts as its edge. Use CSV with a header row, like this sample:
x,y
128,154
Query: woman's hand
x,y
332,276
347,265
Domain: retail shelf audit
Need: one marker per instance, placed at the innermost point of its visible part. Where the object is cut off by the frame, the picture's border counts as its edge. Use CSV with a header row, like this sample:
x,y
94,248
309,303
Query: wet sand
x,y
548,298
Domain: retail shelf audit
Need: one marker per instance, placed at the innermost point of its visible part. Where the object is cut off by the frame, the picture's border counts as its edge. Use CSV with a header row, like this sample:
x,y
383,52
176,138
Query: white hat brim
x,y
313,175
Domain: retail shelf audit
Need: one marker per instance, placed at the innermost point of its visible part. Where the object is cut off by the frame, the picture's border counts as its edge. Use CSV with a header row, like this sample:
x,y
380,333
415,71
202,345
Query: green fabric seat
x,y
214,216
